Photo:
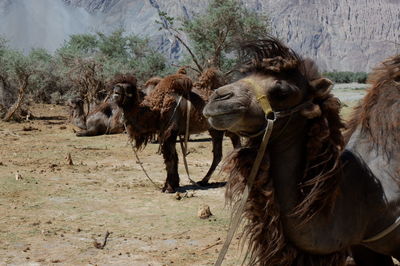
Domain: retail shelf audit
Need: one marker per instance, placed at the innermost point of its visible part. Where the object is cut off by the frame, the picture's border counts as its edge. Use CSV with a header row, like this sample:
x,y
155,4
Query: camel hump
x,y
210,79
153,81
177,83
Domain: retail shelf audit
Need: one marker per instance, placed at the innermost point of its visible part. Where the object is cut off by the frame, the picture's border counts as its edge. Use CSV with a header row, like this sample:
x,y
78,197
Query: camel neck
x,y
140,118
288,164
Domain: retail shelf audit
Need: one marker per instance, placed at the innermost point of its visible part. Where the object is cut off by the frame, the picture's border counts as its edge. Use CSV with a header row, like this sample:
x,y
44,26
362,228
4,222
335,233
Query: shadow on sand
x,y
201,187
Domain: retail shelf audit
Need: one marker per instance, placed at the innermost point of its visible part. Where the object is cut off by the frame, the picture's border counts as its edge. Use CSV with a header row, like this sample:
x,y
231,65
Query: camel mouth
x,y
224,121
225,112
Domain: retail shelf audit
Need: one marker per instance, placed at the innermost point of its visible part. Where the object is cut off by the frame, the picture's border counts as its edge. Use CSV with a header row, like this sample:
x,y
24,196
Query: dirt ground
x,y
56,213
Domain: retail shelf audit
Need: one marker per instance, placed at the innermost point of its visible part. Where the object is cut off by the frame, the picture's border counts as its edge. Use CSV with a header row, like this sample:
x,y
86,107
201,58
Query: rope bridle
x,y
266,106
262,100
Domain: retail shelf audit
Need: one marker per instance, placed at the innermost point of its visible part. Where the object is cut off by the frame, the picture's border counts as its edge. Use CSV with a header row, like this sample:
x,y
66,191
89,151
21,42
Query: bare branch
x,y
190,52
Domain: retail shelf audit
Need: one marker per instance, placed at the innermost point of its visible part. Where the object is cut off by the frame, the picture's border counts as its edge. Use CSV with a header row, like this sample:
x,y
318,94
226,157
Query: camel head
x,y
125,92
77,114
273,72
75,106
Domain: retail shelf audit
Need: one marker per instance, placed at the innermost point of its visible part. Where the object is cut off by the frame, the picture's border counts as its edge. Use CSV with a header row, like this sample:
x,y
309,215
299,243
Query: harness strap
x,y
284,113
265,105
238,214
184,142
384,233
262,99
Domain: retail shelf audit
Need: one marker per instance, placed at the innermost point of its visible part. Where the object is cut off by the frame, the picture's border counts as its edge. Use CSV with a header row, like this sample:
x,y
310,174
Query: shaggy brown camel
x,y
311,200
104,119
164,114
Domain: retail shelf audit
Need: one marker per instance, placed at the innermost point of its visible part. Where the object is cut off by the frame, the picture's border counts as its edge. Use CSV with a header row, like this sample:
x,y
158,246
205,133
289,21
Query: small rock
x,y
178,196
18,176
69,159
204,212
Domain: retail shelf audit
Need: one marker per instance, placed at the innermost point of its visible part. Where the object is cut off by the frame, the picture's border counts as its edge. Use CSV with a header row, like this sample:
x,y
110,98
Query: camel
x,y
312,199
163,113
374,134
104,119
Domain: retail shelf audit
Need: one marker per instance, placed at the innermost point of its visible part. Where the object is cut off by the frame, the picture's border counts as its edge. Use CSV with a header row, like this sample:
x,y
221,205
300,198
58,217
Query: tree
x,y
214,34
90,60
16,69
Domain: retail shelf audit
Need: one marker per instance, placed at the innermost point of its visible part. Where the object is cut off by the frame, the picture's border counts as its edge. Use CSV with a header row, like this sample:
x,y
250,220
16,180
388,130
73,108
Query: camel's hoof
x,y
168,189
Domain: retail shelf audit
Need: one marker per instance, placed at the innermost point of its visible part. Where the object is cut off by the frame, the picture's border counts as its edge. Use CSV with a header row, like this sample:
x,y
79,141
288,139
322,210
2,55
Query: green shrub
x,y
347,76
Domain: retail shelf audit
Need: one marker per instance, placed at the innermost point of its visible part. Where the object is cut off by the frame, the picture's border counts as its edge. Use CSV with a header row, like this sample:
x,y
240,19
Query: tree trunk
x,y
18,103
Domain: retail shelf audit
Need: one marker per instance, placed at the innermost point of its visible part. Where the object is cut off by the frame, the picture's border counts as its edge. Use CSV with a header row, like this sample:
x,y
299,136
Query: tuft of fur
x,y
320,183
378,113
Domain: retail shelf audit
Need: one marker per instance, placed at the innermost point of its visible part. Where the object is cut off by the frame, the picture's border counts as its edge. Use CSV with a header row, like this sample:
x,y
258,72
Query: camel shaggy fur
x,y
163,114
312,200
104,119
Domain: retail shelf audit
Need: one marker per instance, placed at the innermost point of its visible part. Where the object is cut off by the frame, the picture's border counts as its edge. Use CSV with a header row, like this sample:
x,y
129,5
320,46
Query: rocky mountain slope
x,y
340,34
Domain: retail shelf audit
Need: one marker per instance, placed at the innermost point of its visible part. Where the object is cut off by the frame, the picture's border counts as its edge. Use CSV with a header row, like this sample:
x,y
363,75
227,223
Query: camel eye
x,y
280,91
117,90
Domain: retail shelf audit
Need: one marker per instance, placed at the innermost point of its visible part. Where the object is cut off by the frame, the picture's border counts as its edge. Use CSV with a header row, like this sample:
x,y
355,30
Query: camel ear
x,y
322,86
311,111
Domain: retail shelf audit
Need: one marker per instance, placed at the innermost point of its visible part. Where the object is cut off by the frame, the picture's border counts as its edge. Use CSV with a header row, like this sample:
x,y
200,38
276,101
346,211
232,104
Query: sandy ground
x,y
56,213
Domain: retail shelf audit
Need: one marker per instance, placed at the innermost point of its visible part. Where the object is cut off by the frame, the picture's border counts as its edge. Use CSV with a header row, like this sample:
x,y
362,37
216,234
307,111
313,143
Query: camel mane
x,y
318,186
378,113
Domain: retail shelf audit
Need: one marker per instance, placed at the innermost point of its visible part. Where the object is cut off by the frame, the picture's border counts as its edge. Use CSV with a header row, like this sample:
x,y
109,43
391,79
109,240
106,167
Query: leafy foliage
x,y
82,66
90,60
347,77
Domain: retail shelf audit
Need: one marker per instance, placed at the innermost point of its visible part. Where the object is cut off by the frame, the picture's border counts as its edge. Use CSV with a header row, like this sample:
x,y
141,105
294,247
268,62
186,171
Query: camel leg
x,y
216,137
235,139
89,132
171,163
365,257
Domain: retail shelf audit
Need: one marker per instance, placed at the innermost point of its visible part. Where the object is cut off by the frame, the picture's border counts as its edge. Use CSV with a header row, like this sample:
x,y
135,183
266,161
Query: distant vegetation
x,y
347,77
86,62
82,66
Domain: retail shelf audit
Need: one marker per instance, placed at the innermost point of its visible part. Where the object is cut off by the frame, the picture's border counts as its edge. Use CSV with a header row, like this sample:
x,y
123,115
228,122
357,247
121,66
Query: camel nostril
x,y
223,97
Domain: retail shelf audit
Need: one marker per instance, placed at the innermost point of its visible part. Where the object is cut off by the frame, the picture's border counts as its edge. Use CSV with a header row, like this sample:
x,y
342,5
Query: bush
x,y
347,77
